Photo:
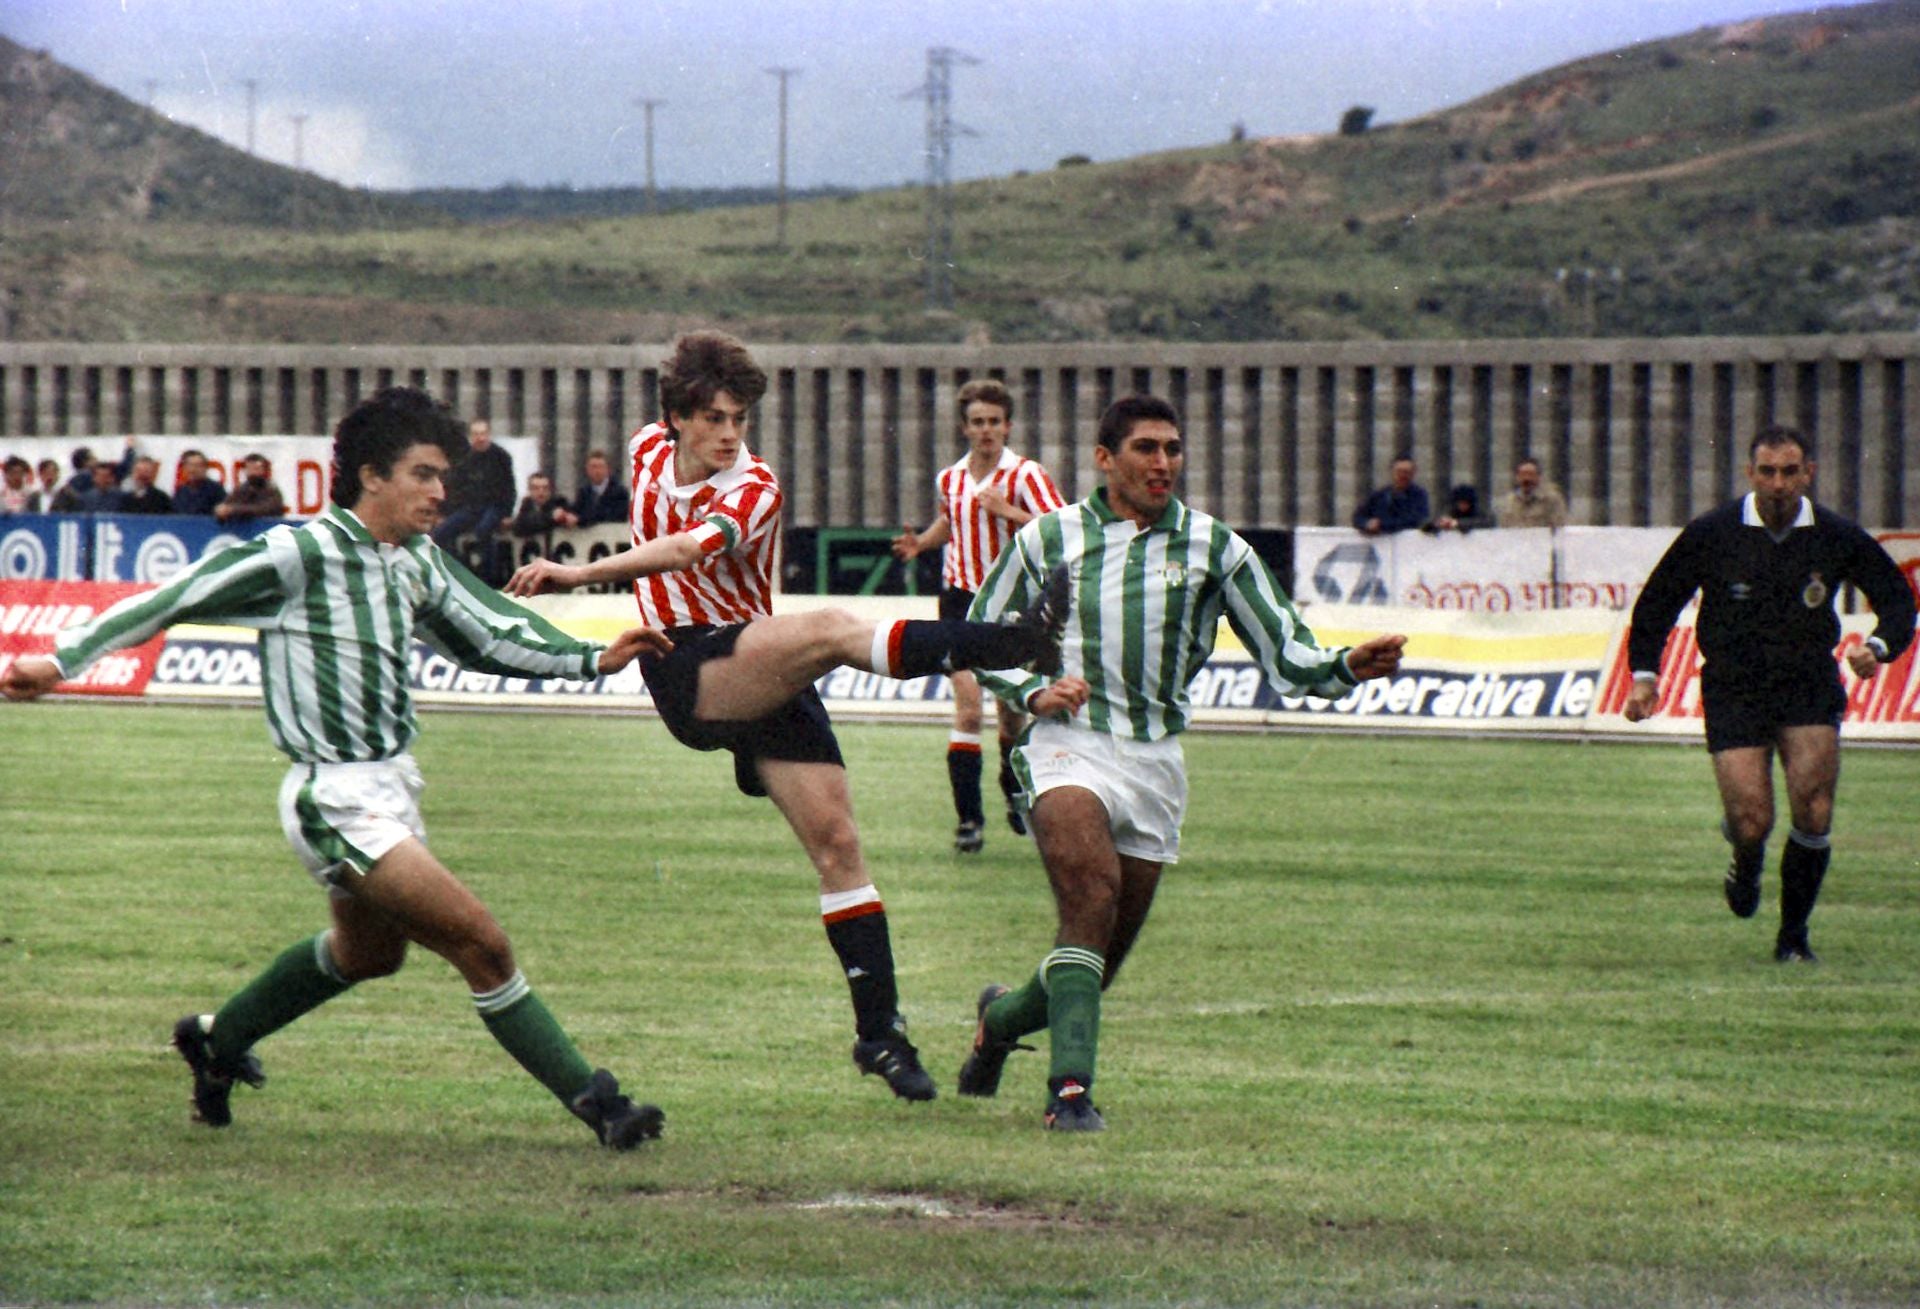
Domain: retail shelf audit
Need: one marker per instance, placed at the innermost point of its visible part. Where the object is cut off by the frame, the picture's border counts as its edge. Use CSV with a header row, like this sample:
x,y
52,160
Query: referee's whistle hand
x,y
1864,662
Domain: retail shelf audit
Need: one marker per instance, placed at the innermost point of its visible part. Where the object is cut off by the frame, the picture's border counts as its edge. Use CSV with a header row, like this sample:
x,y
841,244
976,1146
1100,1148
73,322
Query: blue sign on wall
x,y
112,547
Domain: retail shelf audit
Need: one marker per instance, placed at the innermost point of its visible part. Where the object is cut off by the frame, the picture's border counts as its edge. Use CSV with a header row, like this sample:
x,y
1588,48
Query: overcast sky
x,y
475,93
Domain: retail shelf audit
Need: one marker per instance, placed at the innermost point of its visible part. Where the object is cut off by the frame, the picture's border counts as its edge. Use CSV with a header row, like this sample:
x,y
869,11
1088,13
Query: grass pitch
x,y
1415,1022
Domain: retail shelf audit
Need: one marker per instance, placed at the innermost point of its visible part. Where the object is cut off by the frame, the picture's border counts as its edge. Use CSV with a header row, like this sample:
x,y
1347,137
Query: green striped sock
x,y
1020,1012
1072,976
523,1025
302,979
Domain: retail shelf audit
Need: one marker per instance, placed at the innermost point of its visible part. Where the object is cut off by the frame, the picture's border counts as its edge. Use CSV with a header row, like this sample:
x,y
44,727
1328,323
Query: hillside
x,y
74,150
1759,178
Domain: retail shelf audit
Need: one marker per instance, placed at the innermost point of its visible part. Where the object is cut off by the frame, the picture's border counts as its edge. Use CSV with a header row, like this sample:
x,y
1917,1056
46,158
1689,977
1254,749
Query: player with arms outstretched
x,y
338,602
984,498
706,523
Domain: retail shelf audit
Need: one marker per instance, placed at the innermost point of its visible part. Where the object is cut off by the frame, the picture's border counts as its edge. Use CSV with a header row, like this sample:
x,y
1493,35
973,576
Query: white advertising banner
x,y
1605,567
300,463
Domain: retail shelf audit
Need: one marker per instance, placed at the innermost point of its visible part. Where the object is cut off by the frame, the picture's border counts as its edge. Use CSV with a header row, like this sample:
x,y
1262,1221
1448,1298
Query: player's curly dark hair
x,y
702,365
1123,413
383,427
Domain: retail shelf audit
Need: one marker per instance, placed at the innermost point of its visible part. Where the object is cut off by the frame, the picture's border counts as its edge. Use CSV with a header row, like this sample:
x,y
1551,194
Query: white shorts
x,y
341,818
1143,784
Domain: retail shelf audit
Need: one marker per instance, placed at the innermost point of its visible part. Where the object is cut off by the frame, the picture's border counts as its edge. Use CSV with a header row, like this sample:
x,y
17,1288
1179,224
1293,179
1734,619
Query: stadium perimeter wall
x,y
1645,432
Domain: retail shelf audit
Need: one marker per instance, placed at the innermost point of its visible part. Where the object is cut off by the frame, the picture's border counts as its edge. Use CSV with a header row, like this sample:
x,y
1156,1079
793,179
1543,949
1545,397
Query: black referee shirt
x,y
1766,606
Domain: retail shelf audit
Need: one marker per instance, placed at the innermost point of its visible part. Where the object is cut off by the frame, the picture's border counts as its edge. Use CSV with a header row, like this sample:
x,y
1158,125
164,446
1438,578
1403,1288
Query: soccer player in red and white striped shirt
x,y
706,525
984,499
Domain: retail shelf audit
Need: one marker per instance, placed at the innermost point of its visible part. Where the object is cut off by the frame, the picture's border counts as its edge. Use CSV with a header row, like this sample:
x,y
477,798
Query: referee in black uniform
x,y
1768,567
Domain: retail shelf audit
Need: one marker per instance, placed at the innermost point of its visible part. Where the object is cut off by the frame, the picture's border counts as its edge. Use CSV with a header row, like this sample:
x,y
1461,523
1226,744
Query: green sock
x,y
303,978
519,1022
1020,1012
1073,1010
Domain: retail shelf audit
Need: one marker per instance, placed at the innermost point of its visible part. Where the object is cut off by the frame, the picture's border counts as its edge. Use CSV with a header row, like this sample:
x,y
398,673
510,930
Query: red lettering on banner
x,y
31,613
310,487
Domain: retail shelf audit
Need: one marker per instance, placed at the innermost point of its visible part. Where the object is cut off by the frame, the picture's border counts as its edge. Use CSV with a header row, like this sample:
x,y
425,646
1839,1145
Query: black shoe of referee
x,y
1743,891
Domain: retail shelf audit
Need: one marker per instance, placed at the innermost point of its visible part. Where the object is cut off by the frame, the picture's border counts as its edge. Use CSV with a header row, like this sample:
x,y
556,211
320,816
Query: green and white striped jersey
x,y
1146,605
338,613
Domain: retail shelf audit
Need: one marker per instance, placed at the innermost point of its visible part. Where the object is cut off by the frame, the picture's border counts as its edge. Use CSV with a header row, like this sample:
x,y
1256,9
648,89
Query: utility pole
x,y
299,142
783,74
152,86
650,106
937,91
253,88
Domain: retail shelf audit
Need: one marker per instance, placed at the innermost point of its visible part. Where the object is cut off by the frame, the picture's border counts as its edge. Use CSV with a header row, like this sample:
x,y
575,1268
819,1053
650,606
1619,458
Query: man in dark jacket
x,y
1767,567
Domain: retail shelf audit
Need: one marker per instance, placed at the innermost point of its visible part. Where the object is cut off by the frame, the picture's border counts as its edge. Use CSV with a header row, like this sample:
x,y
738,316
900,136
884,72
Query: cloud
x,y
337,142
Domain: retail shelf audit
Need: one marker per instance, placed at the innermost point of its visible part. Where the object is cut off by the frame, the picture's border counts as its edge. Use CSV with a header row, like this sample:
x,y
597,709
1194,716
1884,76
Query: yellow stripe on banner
x,y
1453,647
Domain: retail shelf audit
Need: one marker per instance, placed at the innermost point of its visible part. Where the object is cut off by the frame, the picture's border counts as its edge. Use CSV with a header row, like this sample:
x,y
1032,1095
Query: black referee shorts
x,y
1746,711
798,730
954,603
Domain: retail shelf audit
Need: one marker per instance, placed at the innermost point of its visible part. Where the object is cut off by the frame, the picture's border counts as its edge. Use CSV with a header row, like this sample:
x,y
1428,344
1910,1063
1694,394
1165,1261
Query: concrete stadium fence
x,y
1639,432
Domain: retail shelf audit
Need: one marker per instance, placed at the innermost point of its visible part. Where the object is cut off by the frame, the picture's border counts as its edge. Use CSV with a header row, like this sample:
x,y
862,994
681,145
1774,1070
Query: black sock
x,y
922,648
963,775
866,957
1803,866
1009,784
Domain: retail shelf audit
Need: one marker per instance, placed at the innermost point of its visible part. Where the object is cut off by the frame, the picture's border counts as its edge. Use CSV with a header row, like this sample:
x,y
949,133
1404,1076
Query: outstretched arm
x,y
664,554
911,543
630,645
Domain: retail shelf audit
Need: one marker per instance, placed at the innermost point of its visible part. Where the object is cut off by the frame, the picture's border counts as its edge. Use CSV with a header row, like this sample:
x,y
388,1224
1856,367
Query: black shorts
x,y
954,603
1747,711
798,730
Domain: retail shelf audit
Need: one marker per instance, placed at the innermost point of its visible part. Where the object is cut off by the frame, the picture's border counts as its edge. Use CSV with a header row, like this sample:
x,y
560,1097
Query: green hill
x,y
1758,178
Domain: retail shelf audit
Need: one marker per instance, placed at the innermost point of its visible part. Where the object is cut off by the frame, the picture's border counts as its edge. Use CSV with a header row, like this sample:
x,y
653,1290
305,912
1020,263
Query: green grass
x,y
1415,1022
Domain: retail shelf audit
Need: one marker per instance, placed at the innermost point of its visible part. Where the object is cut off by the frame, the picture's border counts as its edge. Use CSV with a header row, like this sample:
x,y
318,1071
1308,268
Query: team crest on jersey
x,y
1816,593
1741,590
1174,575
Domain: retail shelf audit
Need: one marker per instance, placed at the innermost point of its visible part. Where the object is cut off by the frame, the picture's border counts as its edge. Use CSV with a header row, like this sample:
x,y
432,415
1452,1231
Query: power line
x,y
937,91
650,106
783,74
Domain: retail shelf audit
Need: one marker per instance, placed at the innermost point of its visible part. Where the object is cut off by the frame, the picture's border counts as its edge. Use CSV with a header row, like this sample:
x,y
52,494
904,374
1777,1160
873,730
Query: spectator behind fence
x,y
1396,507
539,511
479,491
104,495
600,500
257,496
49,471
1462,514
143,497
1532,502
194,492
19,495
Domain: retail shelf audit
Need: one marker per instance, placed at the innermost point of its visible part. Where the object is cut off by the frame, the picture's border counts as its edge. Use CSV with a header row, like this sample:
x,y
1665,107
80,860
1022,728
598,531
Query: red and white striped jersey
x,y
735,516
976,537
